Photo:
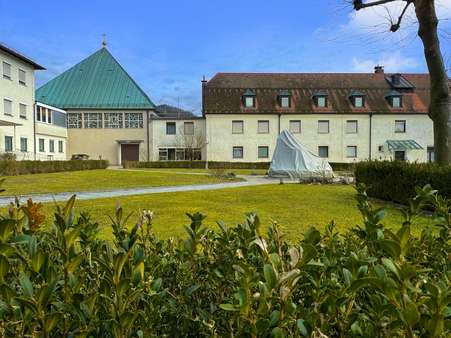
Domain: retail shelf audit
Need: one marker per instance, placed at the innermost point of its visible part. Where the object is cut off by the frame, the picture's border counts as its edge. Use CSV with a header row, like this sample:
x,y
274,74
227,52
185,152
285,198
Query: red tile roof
x,y
223,93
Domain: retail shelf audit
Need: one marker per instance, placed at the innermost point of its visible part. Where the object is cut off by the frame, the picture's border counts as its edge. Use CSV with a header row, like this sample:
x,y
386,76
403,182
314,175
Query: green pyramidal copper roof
x,y
98,81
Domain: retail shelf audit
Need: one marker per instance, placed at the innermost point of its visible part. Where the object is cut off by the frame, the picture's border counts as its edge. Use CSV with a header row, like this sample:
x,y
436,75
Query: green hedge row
x,y
12,167
219,165
396,181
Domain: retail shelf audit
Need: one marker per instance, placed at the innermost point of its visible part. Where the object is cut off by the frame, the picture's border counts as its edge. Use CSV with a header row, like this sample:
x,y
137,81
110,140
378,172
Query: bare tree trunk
x,y
440,106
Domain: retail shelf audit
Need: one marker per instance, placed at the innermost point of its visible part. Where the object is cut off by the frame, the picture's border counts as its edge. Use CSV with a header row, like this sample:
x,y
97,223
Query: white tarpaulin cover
x,y
293,159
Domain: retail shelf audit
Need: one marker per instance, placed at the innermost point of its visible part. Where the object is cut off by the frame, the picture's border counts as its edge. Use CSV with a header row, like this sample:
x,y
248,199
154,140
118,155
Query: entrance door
x,y
130,152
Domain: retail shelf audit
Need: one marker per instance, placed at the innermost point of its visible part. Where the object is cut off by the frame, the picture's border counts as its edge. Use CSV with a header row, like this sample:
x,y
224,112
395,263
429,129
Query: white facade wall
x,y
14,125
221,140
160,139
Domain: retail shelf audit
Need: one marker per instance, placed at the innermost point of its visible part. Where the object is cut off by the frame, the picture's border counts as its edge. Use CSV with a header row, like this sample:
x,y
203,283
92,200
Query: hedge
x,y
12,167
219,165
396,181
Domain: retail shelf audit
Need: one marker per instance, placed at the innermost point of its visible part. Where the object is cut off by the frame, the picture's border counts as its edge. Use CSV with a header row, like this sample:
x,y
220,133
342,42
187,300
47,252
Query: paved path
x,y
89,195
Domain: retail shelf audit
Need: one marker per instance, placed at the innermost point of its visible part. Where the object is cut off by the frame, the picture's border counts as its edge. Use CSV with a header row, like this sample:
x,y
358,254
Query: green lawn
x,y
101,179
295,207
208,171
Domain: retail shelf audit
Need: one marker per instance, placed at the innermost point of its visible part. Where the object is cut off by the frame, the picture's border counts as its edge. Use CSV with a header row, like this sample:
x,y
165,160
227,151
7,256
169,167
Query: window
x,y
237,127
38,113
400,126
431,154
323,127
60,146
93,120
351,151
396,102
170,128
323,151
358,101
400,155
321,101
180,154
43,115
295,126
8,107
41,145
22,77
263,127
73,120
162,154
23,144
6,70
263,152
188,128
249,102
351,127
237,152
134,120
22,110
52,146
113,120
8,143
249,98
285,102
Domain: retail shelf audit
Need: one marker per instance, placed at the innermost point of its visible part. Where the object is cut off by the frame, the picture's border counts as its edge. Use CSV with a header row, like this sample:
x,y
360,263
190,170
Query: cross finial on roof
x,y
103,40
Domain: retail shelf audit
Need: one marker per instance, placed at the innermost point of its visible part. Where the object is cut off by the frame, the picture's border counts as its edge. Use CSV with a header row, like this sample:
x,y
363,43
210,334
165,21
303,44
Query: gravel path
x,y
89,195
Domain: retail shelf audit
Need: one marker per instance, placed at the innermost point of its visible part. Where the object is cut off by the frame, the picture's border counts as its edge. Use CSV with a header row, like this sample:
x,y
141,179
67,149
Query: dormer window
x,y
320,98
285,99
394,98
357,99
249,98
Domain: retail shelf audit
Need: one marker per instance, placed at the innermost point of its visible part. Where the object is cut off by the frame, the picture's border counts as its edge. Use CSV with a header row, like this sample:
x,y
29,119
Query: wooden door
x,y
130,152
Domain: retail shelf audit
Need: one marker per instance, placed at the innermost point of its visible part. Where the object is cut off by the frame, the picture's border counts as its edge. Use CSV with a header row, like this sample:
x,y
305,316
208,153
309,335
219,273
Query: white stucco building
x,y
342,117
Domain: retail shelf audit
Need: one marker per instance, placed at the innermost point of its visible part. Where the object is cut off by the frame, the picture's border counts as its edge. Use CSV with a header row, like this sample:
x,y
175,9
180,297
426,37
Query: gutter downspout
x,y
279,123
34,131
371,146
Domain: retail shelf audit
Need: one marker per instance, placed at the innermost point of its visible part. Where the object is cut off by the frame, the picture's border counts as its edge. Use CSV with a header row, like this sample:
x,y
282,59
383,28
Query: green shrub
x,y
12,167
197,165
371,281
396,180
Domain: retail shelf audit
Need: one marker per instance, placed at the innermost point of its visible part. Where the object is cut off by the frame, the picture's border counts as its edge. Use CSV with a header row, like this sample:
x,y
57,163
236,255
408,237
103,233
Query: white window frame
x,y
113,120
41,141
321,101
353,154
285,101
51,146
133,120
162,154
294,130
6,66
237,127
263,147
60,146
398,100
10,113
249,101
320,129
22,81
11,139
74,120
171,124
93,120
21,114
263,127
188,128
24,149
349,124
360,100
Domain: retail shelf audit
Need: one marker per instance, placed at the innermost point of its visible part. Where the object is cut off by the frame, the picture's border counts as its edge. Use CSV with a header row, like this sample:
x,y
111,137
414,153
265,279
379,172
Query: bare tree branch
x,y
358,4
396,26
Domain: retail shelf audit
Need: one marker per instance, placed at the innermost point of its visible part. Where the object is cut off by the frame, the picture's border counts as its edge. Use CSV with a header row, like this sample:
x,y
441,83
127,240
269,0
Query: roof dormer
x,y
320,98
284,98
357,99
249,98
394,98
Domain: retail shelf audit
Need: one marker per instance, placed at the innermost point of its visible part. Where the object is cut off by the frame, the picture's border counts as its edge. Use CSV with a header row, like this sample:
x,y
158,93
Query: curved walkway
x,y
89,195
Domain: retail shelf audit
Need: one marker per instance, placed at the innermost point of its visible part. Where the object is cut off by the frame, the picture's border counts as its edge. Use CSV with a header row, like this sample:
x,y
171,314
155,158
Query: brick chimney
x,y
379,69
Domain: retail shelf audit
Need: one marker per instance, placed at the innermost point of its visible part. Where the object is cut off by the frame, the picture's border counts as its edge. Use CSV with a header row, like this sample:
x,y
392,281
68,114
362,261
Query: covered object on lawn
x,y
292,159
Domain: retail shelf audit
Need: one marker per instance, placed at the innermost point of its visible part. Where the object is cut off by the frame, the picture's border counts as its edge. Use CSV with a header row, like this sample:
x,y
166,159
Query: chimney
x,y
204,81
396,79
379,69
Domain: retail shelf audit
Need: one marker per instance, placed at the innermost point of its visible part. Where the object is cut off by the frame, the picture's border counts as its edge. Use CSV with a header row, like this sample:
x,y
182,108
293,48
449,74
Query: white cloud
x,y
392,63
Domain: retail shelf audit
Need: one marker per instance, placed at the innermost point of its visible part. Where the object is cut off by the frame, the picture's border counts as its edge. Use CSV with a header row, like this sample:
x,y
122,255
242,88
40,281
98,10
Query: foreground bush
x,y
396,180
369,282
13,167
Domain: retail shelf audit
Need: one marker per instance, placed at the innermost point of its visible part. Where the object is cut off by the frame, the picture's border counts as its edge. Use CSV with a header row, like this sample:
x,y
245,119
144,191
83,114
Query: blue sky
x,y
167,46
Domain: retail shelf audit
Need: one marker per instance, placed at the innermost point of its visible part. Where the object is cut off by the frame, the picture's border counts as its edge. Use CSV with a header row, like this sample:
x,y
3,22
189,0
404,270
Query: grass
x,y
102,179
294,206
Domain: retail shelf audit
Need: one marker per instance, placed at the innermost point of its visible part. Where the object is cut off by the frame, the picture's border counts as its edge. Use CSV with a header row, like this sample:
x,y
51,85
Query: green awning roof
x,y
403,145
